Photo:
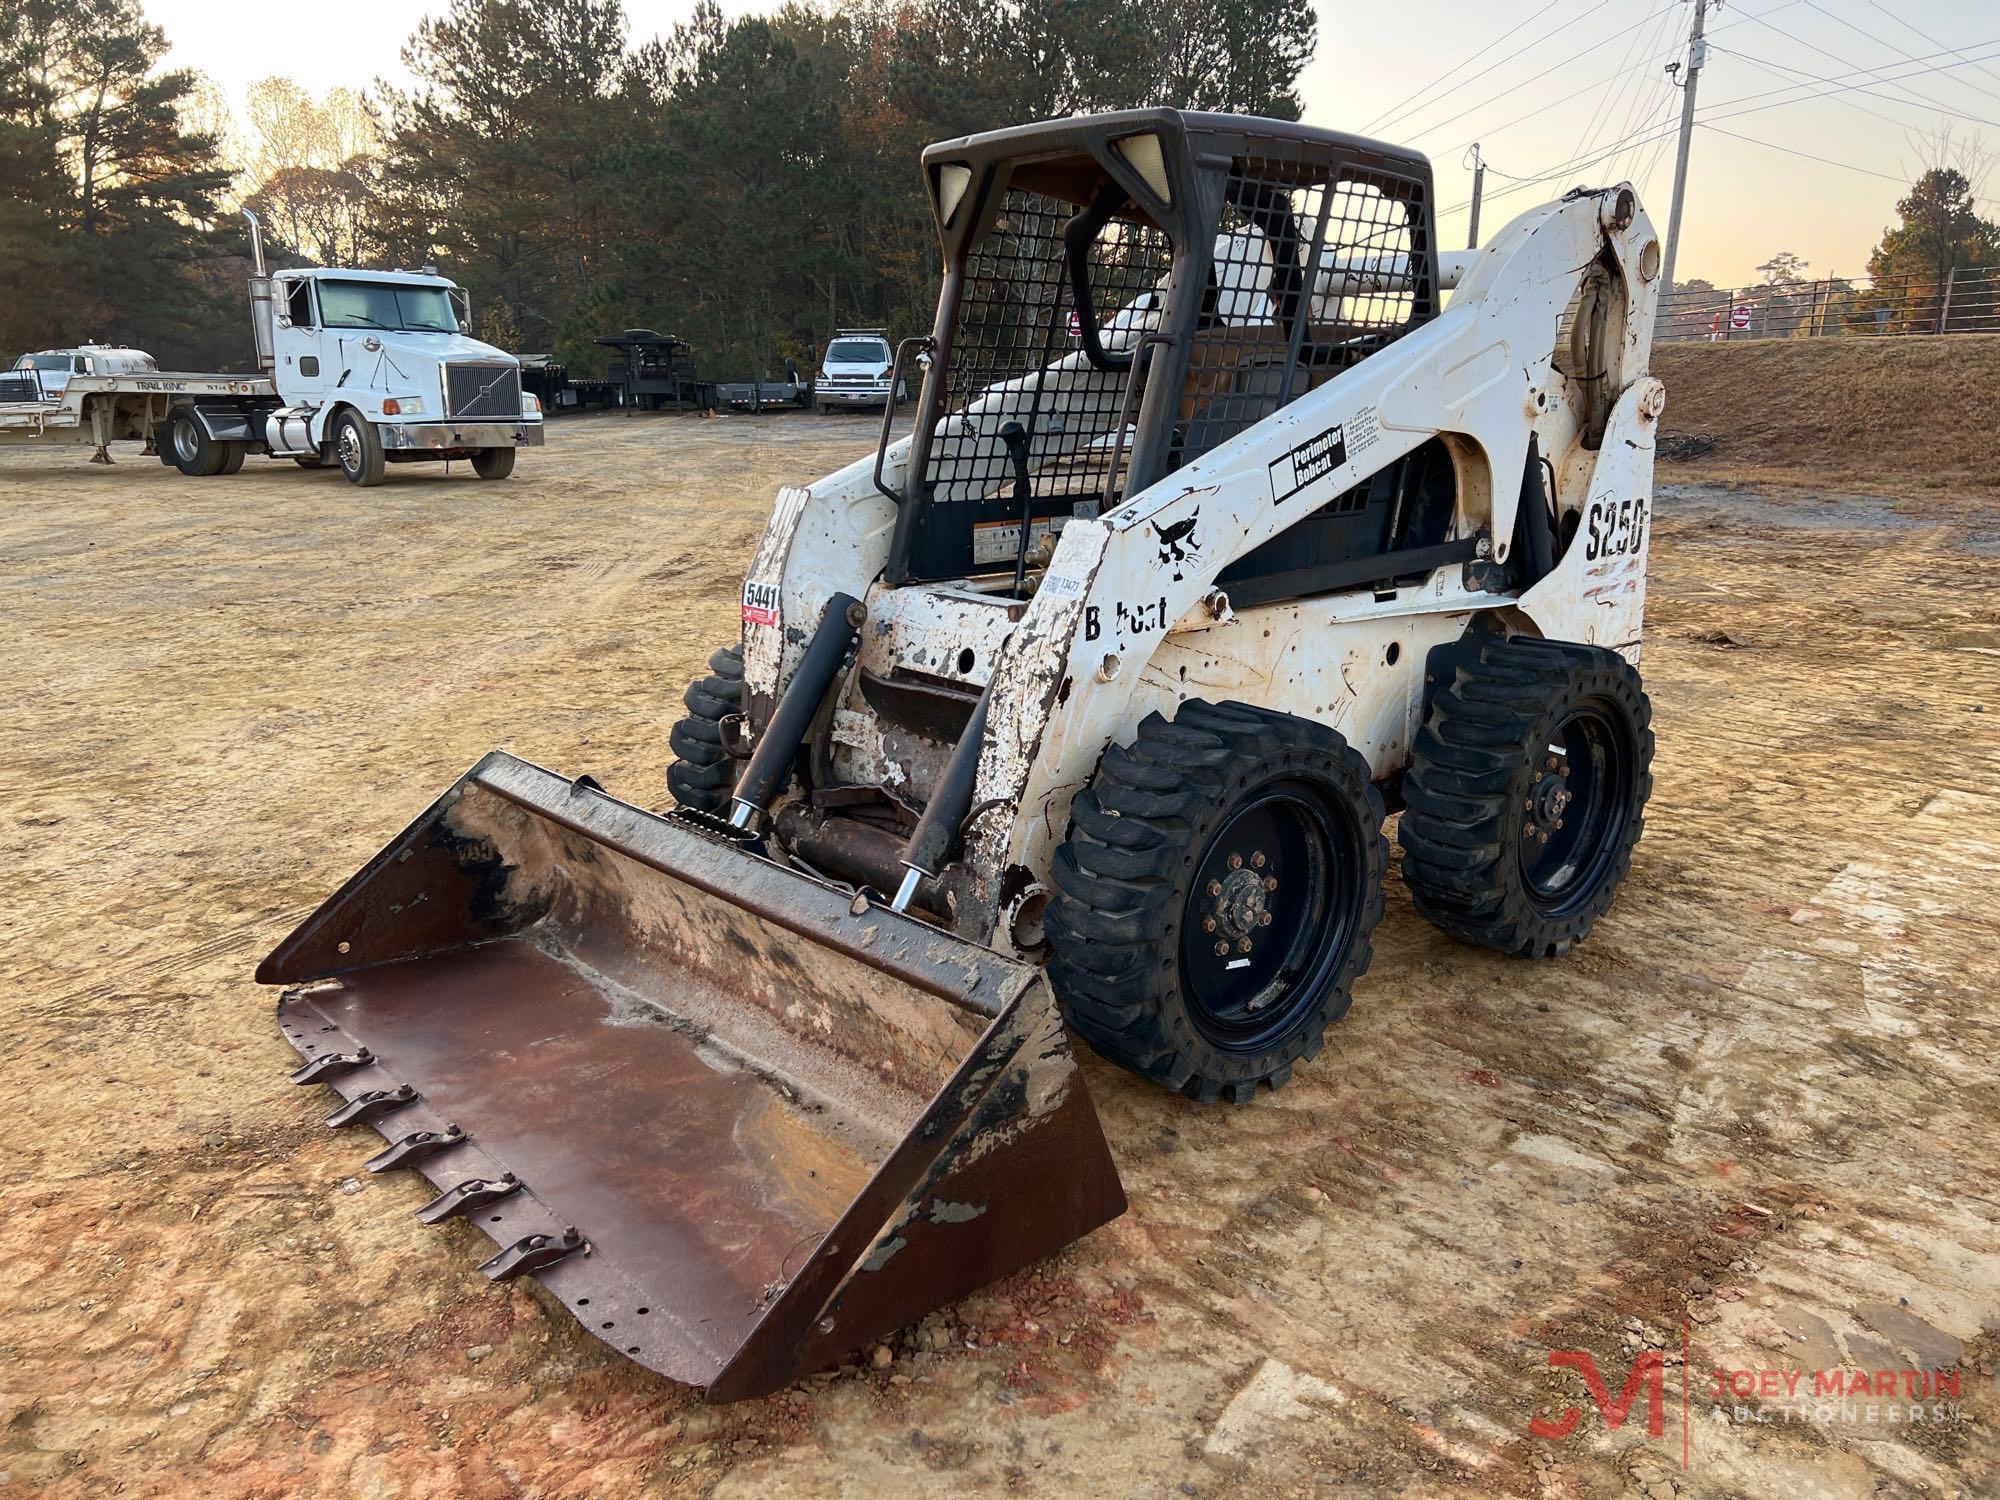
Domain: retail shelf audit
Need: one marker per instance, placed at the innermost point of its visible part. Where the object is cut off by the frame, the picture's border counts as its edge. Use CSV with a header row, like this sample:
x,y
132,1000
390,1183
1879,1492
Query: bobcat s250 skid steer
x,y
1219,532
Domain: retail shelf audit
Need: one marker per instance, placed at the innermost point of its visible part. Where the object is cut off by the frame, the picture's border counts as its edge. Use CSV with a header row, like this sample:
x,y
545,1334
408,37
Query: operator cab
x,y
1126,292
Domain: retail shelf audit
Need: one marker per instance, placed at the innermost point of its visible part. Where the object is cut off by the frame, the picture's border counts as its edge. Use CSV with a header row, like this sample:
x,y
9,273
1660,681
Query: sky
x,y
1546,87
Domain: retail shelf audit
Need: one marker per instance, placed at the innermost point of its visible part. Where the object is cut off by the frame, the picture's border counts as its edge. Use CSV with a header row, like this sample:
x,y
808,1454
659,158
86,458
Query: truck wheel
x,y
703,774
195,453
357,447
493,463
232,458
1526,791
1216,897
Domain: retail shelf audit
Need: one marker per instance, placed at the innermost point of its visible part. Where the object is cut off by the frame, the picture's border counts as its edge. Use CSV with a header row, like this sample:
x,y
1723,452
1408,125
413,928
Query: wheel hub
x,y
350,448
1549,797
1239,903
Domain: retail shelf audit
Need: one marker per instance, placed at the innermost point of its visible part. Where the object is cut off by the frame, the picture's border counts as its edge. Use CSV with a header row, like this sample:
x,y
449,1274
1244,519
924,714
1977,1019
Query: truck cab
x,y
856,369
360,369
388,349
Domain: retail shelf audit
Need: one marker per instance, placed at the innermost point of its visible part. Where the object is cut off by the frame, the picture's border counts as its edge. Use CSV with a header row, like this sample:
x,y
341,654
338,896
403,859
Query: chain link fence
x,y
1965,301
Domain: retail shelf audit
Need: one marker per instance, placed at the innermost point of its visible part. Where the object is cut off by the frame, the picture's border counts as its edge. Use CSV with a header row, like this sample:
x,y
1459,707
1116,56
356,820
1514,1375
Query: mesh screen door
x,y
1015,320
1315,267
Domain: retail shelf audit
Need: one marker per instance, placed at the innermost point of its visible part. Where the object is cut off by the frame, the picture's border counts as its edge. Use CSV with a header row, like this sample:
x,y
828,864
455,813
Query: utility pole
x,y
1697,55
1478,188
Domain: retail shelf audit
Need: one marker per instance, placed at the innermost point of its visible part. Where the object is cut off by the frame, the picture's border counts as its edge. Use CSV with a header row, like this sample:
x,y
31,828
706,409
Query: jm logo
x,y
1648,1373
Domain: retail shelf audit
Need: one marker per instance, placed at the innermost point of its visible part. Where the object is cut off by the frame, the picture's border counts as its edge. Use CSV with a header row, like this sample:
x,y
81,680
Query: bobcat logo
x,y
1176,542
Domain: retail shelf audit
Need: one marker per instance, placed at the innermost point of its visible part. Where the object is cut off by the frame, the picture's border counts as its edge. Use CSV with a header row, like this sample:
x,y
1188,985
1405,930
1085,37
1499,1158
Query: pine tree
x,y
101,165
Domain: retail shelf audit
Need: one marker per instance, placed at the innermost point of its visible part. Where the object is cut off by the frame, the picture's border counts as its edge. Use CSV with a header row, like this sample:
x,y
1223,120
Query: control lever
x,y
1015,436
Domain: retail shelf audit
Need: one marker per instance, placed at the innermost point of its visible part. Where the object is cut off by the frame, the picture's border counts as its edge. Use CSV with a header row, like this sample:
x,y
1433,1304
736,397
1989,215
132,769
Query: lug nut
x,y
1215,888
1257,860
1265,920
1235,861
1270,882
1243,946
1221,950
1208,924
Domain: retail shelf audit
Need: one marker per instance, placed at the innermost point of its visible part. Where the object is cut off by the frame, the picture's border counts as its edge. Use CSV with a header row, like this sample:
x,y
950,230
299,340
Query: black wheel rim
x,y
1577,804
1270,915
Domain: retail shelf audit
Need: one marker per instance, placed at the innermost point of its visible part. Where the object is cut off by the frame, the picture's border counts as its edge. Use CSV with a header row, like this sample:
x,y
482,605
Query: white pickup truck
x,y
360,369
855,370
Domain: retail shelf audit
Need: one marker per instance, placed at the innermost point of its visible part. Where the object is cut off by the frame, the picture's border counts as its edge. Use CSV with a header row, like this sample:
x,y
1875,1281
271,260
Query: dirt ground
x,y
1754,1120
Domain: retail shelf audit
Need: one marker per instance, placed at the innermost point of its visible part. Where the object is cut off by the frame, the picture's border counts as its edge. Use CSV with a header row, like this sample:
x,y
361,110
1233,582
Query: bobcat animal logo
x,y
1176,542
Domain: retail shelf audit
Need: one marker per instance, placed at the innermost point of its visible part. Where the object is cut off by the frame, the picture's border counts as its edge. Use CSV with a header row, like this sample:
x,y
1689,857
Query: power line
x,y
1914,97
1778,69
1929,38
1399,110
1881,42
1841,88
1650,135
1555,103
1637,113
1561,169
1588,136
1553,67
1789,151
1501,62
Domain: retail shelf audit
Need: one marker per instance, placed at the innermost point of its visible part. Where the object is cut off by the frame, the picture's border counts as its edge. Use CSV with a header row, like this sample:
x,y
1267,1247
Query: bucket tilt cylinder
x,y
771,762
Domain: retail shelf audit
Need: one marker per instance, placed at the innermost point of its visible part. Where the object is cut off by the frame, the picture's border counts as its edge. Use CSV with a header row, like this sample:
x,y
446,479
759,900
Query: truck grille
x,y
482,390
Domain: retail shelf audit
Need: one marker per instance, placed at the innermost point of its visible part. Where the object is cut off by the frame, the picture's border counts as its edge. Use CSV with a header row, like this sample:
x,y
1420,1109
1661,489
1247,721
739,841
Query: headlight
x,y
403,406
531,404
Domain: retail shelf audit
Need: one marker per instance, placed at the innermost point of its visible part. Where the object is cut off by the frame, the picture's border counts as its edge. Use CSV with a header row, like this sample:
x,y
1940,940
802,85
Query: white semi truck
x,y
358,369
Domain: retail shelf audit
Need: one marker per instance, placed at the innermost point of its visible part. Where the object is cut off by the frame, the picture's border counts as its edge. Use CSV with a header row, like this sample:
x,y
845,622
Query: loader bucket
x,y
738,1122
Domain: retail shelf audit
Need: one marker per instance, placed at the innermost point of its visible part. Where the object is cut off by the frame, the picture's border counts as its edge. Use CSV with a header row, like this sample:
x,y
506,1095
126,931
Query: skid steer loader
x,y
1217,534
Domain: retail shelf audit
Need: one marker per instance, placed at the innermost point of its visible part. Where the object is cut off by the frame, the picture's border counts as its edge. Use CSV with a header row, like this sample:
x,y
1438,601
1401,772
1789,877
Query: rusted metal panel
x,y
743,1094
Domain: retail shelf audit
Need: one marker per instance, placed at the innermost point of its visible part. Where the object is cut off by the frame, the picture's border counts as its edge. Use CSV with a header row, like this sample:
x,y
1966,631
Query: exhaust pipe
x,y
256,243
263,310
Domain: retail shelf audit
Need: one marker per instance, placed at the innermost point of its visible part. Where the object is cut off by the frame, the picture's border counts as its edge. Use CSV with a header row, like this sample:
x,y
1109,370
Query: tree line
x,y
749,185
746,184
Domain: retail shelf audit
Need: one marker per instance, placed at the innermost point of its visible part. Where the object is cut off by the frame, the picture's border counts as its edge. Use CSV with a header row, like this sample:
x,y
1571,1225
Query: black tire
x,y
1526,791
493,463
232,458
357,448
193,451
1149,878
703,774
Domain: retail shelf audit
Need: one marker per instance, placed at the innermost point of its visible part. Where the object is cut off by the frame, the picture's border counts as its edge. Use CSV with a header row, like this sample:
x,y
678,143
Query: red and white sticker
x,y
760,603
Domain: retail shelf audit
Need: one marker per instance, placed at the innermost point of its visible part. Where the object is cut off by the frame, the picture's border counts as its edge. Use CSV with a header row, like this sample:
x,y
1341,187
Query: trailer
x,y
99,410
548,380
654,370
756,395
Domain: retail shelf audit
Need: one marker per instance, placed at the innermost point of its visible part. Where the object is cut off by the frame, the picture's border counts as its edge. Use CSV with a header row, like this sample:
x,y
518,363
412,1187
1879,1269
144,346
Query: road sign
x,y
1739,316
